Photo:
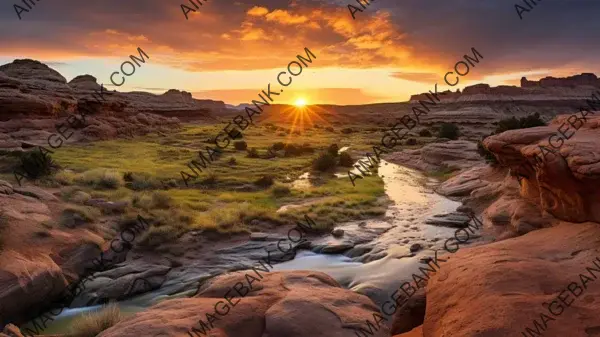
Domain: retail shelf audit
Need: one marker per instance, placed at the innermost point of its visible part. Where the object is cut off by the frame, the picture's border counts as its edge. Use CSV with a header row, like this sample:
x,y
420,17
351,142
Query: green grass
x,y
233,200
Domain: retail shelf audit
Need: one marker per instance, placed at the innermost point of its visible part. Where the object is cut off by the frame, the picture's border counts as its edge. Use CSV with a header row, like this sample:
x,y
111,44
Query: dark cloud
x,y
221,35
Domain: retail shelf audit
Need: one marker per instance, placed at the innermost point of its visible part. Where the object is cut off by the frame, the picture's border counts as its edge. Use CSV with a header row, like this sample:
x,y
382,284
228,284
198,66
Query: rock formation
x,y
566,184
35,98
280,304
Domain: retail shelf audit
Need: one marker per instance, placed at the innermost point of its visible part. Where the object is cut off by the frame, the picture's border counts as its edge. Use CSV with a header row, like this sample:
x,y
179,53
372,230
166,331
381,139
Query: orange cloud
x,y
257,11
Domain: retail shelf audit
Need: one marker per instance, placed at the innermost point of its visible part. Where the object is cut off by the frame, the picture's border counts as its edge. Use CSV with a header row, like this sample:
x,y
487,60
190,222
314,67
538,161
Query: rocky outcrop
x,y
280,304
564,180
571,81
501,288
34,99
455,154
37,260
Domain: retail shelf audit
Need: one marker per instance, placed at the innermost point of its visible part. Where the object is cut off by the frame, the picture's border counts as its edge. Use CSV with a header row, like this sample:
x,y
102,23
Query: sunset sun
x,y
300,103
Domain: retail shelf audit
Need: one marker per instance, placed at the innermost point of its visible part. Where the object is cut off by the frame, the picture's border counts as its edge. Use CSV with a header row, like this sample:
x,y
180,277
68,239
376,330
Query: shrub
x,y
232,161
161,200
240,145
333,149
252,153
72,217
425,133
128,176
449,131
411,141
65,177
280,190
211,179
36,164
101,178
80,197
144,181
265,181
292,150
346,159
91,325
324,162
278,146
521,123
330,129
486,154
347,130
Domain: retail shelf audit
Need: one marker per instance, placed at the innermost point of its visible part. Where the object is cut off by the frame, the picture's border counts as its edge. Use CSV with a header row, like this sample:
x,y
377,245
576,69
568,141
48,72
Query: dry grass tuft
x,y
91,325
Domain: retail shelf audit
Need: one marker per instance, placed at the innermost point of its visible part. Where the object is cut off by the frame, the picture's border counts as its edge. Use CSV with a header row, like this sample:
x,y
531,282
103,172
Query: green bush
x,y
425,133
265,181
333,149
521,123
324,162
346,159
240,145
101,178
36,164
280,190
449,131
278,146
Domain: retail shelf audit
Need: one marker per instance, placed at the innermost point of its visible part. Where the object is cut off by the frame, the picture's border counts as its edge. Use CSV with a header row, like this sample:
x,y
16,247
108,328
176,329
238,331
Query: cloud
x,y
426,78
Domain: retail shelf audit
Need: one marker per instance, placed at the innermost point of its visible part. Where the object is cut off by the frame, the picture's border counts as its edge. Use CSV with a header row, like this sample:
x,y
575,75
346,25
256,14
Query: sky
x,y
231,50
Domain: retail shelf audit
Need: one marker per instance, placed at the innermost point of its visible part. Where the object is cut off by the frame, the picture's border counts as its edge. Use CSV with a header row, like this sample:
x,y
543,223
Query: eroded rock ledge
x,y
567,184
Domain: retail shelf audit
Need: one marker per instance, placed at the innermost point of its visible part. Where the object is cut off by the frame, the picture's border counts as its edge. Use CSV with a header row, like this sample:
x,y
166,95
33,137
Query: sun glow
x,y
300,103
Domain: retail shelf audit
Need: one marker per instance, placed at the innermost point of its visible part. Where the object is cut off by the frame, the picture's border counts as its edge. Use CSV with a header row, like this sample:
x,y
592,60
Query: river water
x,y
387,262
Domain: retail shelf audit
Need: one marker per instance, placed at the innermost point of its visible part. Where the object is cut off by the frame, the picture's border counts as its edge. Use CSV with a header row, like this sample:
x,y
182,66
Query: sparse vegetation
x,y
345,159
161,200
101,178
411,141
75,216
521,123
333,149
326,161
448,130
91,325
35,164
232,161
264,181
280,190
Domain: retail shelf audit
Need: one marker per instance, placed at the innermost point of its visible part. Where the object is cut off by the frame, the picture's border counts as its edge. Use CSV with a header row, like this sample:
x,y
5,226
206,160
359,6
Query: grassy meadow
x,y
238,192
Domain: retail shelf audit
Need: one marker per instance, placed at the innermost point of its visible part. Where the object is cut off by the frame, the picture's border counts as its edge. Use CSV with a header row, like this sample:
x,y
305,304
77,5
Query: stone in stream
x,y
415,247
338,232
337,248
454,220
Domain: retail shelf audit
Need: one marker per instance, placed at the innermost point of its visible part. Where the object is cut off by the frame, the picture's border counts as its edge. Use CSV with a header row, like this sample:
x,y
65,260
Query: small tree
x,y
486,154
253,153
333,149
448,130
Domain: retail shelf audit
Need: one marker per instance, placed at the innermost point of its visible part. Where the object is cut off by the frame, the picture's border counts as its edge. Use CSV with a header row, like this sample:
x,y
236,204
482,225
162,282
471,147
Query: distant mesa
x,y
571,81
570,87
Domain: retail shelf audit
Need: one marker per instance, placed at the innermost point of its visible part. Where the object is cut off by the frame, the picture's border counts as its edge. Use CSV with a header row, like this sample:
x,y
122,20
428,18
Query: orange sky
x,y
232,51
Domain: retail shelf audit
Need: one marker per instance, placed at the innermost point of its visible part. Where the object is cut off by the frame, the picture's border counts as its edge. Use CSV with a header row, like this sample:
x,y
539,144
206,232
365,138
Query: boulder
x,y
280,304
411,314
499,289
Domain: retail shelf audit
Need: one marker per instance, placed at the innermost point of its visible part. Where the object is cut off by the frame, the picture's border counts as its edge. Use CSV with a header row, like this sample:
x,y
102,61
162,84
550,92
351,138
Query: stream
x,y
379,261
